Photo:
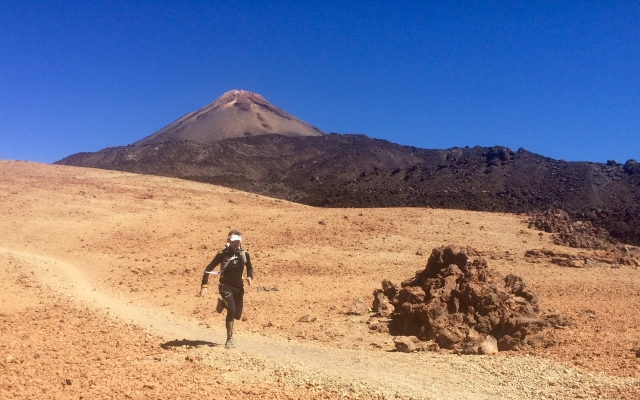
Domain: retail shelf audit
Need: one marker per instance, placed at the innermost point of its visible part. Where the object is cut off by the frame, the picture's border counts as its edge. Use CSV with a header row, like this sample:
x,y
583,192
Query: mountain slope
x,y
236,113
356,171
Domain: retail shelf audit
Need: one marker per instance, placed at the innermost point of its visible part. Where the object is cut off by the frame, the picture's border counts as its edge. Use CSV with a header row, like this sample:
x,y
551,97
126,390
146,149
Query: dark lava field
x,y
356,171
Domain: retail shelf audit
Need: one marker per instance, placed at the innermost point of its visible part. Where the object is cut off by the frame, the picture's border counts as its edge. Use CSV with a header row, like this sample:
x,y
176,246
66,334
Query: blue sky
x,y
559,78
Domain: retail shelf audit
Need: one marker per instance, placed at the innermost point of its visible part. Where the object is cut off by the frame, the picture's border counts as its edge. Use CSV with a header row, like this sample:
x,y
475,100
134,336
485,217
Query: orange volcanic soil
x,y
99,272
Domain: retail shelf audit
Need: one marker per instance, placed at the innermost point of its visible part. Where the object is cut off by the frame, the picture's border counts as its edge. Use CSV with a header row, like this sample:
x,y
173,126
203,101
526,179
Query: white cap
x,y
233,238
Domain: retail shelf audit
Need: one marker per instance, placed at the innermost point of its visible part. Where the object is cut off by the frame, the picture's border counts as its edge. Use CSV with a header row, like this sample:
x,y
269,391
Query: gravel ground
x,y
97,298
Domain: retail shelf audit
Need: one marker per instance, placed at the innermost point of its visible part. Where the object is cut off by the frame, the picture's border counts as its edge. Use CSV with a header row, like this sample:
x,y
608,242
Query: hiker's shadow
x,y
185,342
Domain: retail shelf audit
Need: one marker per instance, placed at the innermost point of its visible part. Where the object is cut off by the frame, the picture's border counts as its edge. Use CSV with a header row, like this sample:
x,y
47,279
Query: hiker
x,y
232,260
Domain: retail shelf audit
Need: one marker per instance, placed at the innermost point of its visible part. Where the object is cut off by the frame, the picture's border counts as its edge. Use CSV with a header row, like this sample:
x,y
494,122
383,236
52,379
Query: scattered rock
x,y
36,356
389,289
358,308
488,346
145,196
380,327
376,325
10,359
516,331
577,264
68,381
386,309
306,318
407,344
557,320
581,260
381,303
566,232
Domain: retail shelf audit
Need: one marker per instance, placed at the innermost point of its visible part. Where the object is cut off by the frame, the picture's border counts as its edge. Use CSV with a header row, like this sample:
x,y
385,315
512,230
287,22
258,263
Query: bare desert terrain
x,y
100,270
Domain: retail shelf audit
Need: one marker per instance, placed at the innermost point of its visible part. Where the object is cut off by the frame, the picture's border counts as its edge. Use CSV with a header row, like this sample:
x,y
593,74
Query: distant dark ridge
x,y
357,171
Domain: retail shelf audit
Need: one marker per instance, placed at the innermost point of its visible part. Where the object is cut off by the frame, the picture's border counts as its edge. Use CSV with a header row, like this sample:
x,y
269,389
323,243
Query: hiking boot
x,y
220,306
229,343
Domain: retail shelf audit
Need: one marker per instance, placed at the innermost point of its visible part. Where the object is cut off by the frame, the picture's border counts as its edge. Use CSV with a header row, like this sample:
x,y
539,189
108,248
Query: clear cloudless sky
x,y
559,78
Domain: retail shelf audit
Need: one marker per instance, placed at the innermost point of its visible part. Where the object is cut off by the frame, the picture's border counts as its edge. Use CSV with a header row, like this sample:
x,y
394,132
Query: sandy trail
x,y
423,375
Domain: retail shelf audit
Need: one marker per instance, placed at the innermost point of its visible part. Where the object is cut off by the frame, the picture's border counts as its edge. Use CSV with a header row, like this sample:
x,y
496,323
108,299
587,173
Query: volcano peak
x,y
236,113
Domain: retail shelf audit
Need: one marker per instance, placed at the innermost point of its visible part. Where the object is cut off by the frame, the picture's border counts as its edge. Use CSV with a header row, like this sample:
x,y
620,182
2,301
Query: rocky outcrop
x,y
614,258
464,306
566,232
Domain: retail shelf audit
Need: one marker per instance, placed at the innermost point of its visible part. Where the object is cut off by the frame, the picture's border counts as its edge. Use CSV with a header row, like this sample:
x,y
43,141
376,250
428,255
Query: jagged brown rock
x,y
358,308
567,232
407,344
459,304
488,346
614,257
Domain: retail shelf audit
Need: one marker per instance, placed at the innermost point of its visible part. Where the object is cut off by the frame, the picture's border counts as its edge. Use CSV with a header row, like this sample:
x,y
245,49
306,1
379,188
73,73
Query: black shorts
x,y
233,298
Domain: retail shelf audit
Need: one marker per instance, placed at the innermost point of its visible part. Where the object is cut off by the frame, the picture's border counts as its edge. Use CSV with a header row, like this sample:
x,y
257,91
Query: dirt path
x,y
422,375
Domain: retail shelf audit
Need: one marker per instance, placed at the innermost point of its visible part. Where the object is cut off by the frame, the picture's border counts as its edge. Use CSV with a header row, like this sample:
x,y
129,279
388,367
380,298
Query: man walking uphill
x,y
232,260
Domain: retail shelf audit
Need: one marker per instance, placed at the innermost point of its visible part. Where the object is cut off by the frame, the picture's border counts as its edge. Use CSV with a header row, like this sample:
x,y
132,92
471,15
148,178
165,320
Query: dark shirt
x,y
232,265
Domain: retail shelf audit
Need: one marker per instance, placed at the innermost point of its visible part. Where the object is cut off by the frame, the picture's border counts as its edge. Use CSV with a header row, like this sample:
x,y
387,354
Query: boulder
x,y
470,344
382,304
386,309
389,289
358,308
488,346
458,303
378,298
448,337
407,344
379,327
